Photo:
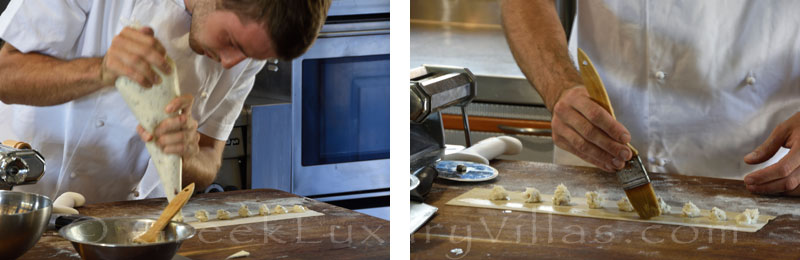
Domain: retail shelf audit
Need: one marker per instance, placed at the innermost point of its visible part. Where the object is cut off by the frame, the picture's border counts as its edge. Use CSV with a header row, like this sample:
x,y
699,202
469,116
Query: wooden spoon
x,y
172,208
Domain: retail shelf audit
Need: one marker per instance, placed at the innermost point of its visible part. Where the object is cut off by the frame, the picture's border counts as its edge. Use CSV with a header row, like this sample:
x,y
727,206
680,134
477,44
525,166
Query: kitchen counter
x,y
339,234
481,48
478,233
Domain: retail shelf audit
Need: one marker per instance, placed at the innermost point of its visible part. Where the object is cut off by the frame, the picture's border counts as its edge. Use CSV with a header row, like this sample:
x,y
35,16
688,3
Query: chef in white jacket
x,y
707,88
61,59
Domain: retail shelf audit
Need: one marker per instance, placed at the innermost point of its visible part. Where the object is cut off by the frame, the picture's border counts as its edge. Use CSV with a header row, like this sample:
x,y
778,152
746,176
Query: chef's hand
x,y
584,128
132,53
177,134
784,176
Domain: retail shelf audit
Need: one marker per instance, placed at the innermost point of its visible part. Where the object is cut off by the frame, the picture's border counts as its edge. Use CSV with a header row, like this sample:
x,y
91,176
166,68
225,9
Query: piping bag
x,y
147,105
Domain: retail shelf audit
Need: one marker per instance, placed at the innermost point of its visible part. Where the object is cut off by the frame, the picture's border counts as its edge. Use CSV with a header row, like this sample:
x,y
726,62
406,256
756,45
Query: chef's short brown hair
x,y
293,24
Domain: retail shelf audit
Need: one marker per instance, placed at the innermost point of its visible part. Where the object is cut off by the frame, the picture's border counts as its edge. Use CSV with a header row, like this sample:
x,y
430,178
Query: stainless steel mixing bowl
x,y
112,238
23,218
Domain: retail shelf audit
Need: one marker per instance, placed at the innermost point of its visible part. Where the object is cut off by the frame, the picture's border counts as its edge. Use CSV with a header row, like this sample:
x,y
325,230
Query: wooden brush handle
x,y
594,85
172,208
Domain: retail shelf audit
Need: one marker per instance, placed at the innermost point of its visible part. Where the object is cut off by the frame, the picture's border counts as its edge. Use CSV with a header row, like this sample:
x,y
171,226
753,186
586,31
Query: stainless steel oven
x,y
330,141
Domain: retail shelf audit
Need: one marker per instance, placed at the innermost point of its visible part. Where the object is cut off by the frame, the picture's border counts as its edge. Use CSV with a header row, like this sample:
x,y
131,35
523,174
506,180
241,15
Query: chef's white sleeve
x,y
45,26
222,118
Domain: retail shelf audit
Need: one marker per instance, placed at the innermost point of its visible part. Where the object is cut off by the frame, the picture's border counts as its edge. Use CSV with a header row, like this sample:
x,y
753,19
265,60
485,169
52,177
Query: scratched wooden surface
x,y
479,233
339,234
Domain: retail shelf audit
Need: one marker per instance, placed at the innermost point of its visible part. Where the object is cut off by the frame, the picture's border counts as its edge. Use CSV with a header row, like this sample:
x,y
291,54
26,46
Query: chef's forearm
x,y
539,45
201,168
41,80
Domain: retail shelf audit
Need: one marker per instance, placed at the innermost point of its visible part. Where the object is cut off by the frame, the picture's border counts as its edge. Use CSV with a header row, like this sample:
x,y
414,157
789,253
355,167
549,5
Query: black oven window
x,y
345,109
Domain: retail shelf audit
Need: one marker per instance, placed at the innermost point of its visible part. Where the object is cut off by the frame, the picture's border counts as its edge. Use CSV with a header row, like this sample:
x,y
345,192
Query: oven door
x,y
340,115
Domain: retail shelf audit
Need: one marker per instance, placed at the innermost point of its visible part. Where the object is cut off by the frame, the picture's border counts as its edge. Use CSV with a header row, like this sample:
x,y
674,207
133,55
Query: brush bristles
x,y
643,199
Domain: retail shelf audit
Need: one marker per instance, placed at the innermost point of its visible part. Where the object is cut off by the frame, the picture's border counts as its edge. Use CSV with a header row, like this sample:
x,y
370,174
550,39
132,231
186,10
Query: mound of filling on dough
x,y
498,193
717,214
690,210
223,214
263,210
625,205
749,217
593,200
665,208
279,210
201,215
298,209
532,195
561,196
243,211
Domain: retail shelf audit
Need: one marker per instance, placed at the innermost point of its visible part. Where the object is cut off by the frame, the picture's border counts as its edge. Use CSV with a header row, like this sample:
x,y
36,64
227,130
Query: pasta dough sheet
x,y
237,220
479,198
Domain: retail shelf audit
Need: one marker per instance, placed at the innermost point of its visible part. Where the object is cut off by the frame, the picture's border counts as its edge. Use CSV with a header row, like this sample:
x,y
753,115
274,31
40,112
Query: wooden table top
x,y
479,233
339,234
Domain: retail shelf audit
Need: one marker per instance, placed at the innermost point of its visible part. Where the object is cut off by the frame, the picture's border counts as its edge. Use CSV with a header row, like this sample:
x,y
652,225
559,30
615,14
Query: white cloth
x,y
698,83
90,144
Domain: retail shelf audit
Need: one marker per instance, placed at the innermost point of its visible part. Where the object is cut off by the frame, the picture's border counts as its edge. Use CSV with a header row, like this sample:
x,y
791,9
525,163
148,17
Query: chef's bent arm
x,y
40,80
539,45
201,167
580,126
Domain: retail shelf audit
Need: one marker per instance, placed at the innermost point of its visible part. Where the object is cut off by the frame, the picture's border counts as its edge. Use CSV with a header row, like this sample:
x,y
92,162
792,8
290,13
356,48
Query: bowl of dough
x,y
112,238
23,218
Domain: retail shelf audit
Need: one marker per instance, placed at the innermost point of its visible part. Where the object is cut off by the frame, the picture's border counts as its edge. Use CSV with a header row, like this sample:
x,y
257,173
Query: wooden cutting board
x,y
337,234
480,233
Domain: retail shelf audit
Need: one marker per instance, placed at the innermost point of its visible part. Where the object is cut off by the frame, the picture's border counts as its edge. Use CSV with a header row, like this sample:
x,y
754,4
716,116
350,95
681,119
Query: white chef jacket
x,y
90,144
699,84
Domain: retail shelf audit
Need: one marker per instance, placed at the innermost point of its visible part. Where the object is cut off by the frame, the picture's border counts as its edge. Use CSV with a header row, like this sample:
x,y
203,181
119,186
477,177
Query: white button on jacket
x,y
660,75
700,119
750,80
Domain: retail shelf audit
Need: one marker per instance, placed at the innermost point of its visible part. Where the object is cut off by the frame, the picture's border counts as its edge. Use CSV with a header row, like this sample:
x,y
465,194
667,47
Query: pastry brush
x,y
633,177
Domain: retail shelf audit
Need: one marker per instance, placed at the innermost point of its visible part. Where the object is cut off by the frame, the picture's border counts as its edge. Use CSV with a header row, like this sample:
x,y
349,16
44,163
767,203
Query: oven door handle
x,y
353,33
524,130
